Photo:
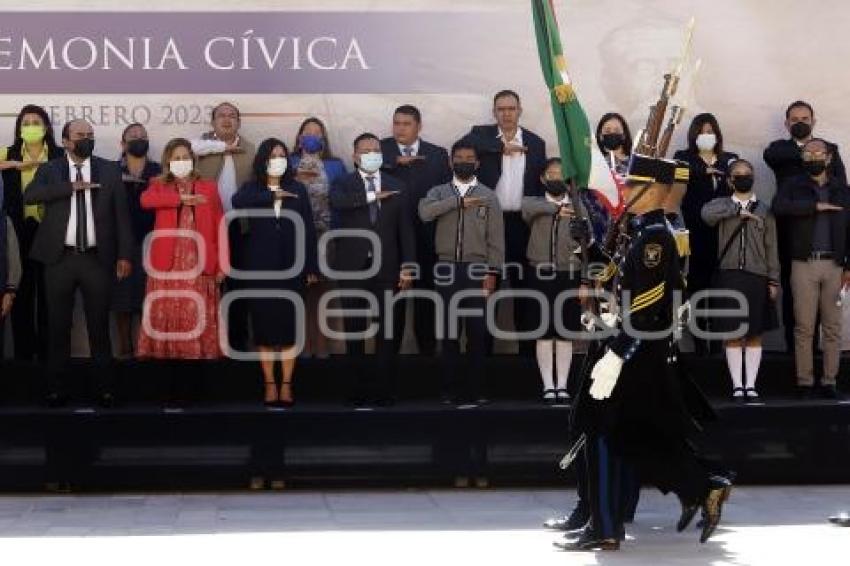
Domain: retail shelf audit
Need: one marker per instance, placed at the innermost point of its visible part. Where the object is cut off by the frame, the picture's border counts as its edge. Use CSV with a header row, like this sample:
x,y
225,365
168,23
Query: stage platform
x,y
226,437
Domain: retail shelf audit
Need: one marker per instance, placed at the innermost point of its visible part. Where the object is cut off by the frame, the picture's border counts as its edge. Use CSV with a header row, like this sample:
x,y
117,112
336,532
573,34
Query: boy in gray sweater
x,y
470,244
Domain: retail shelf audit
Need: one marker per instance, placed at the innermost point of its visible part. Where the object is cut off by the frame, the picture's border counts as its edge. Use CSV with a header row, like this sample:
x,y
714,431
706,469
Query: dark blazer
x,y
3,258
420,176
703,238
783,156
486,139
394,228
797,200
113,230
270,244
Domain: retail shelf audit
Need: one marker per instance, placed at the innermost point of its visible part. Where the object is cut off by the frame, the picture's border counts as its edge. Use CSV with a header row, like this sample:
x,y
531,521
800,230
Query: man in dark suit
x,y
420,166
84,238
513,160
375,203
785,158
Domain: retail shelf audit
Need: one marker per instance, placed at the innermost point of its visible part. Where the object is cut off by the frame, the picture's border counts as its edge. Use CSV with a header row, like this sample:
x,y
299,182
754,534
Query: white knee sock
x,y
563,359
753,361
544,362
734,356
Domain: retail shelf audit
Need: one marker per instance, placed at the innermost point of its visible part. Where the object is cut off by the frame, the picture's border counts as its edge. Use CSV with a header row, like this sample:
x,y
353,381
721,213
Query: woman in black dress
x,y
708,162
274,246
128,294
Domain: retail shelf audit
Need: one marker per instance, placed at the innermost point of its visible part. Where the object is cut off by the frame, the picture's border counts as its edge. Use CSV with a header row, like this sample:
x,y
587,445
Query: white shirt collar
x,y
517,139
414,146
365,175
462,187
743,203
565,199
72,163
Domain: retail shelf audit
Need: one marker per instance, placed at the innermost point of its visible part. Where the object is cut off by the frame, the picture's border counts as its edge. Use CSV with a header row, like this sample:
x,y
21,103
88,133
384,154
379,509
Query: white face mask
x,y
706,142
277,166
182,168
371,162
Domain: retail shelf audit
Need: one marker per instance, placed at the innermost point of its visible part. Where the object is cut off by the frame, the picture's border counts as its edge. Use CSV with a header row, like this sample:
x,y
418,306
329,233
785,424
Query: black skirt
x,y
273,320
551,287
760,310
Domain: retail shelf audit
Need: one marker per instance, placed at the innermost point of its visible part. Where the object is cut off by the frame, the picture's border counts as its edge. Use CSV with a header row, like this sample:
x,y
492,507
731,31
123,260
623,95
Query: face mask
x,y
32,134
138,147
706,142
84,148
613,141
312,144
800,130
371,162
814,168
742,183
463,170
556,188
182,168
276,167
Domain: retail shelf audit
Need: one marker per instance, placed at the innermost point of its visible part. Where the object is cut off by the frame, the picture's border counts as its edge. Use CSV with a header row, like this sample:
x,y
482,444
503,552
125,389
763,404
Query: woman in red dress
x,y
180,318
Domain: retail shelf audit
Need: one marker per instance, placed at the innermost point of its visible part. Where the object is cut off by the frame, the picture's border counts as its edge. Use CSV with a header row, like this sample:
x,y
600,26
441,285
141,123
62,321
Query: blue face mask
x,y
312,144
371,162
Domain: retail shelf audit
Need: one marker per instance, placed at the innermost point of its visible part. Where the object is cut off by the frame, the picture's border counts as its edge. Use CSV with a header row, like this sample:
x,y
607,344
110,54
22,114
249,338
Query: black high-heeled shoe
x,y
549,396
286,403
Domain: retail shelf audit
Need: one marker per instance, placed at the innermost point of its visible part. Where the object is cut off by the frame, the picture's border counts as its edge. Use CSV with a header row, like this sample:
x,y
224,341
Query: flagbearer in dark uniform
x,y
631,409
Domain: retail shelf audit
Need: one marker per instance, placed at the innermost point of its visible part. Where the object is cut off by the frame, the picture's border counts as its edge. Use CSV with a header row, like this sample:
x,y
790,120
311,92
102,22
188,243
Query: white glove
x,y
604,375
683,313
587,321
609,319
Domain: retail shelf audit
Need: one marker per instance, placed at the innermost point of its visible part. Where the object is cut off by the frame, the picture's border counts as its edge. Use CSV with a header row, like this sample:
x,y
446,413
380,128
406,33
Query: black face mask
x,y
800,130
814,168
743,183
464,171
84,148
613,141
556,188
138,147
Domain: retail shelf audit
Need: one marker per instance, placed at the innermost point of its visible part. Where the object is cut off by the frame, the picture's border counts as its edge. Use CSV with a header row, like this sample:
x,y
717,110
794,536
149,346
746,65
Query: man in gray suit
x,y
84,238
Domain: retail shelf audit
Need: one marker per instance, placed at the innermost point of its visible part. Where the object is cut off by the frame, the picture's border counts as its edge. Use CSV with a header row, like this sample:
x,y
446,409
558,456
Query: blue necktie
x,y
373,206
408,151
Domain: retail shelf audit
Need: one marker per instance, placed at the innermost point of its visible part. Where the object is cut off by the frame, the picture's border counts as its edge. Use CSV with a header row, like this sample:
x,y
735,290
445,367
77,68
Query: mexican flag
x,y
581,159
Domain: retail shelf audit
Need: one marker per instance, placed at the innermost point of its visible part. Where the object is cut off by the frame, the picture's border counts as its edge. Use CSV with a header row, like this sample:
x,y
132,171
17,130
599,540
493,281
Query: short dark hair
x,y
409,110
697,123
627,133
130,127
220,105
503,94
49,137
365,136
264,153
551,161
465,143
825,143
799,104
739,161
66,128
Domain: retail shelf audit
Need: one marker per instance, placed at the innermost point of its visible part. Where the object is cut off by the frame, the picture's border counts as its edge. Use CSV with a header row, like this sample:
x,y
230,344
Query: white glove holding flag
x,y
604,375
683,313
